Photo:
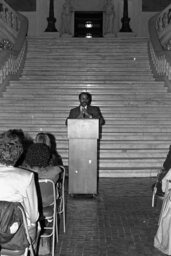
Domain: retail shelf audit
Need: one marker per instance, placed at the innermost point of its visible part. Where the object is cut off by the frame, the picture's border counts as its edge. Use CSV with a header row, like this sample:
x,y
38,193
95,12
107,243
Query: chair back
x,y
13,220
47,192
48,212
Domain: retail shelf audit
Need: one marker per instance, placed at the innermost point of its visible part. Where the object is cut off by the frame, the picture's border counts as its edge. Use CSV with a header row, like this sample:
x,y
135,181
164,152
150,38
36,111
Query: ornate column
x,y
51,19
125,19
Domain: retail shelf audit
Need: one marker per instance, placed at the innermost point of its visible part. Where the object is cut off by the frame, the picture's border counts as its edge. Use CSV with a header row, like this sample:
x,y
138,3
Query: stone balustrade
x,y
11,60
12,64
161,64
9,16
160,56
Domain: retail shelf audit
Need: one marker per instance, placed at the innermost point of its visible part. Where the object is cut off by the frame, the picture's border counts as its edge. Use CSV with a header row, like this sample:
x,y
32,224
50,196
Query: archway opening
x,y
88,24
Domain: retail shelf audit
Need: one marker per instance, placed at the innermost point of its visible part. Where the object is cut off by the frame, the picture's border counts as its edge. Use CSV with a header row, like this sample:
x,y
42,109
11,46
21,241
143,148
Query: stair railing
x,y
160,46
14,27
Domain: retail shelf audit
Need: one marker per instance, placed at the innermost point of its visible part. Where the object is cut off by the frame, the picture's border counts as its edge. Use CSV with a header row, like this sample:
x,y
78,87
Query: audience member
x,y
49,140
16,184
25,140
37,159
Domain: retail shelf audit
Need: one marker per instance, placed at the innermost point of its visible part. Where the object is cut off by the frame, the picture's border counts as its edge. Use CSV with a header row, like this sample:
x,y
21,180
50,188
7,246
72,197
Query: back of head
x,y
43,138
10,148
37,155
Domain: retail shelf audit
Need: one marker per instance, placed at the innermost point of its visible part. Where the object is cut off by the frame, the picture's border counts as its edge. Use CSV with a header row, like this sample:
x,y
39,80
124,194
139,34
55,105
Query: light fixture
x,y
88,35
88,24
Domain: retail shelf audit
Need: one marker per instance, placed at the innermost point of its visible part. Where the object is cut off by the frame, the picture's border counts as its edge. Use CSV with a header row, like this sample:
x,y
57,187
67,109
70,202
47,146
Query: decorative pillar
x,y
51,19
125,19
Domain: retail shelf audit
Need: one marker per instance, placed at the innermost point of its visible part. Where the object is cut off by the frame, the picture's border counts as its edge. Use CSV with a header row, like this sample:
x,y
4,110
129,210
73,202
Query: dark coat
x,y
92,110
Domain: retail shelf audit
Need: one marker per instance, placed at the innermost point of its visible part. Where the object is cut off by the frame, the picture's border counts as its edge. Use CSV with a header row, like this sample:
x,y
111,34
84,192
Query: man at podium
x,y
85,110
83,126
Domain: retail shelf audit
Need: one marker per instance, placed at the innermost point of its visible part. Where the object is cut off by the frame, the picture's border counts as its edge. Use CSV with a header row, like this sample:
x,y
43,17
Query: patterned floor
x,y
119,222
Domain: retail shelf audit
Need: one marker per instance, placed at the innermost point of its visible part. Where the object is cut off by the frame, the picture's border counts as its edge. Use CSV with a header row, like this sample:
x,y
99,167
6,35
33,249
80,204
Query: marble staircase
x,y
137,109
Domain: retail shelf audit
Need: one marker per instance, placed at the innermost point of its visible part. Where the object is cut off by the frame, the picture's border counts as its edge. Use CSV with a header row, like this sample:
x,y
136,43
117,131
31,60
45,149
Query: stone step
x,y
87,45
74,94
89,76
76,89
90,59
95,57
161,121
82,70
128,172
88,50
87,65
128,136
129,154
45,104
82,83
127,96
106,110
108,130
130,163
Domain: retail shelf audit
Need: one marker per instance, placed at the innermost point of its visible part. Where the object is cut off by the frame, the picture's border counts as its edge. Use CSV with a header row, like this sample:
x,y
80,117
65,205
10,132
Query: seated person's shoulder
x,y
22,171
50,172
95,108
22,175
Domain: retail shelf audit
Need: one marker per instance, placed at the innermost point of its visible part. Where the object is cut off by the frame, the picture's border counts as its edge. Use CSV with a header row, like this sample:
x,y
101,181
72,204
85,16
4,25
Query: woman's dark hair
x,y
37,155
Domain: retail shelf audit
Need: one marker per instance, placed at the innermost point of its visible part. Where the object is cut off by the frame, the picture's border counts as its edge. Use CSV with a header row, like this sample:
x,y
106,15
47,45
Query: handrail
x,y
160,56
11,61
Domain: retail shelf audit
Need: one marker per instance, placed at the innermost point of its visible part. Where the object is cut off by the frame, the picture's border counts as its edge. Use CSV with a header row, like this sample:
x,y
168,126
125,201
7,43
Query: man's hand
x,y
85,113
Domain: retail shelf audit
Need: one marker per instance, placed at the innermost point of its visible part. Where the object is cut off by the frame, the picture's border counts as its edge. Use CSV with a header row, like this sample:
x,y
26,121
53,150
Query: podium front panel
x,y
83,128
83,166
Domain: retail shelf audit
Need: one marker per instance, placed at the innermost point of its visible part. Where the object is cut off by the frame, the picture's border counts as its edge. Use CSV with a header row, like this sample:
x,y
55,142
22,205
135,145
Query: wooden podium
x,y
83,135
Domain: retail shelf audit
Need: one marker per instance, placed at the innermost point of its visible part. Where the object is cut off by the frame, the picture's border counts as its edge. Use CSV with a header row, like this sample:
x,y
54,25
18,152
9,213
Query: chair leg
x,y
56,227
64,226
53,237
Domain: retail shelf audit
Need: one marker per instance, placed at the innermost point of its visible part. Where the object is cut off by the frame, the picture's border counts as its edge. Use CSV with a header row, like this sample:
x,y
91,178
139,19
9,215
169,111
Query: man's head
x,y
10,148
85,99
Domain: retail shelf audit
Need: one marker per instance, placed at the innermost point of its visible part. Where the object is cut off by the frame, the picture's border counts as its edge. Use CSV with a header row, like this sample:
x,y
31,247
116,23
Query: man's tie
x,y
83,112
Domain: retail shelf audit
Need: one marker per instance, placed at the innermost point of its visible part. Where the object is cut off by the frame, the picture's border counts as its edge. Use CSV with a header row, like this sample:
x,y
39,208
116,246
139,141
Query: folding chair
x,y
49,211
28,250
61,195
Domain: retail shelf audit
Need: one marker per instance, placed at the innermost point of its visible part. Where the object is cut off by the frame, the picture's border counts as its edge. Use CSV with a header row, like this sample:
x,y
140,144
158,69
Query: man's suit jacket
x,y
92,110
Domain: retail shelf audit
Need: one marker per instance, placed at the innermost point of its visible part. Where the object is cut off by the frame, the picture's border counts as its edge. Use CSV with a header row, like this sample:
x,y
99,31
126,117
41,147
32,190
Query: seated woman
x,y
49,140
37,159
25,140
16,184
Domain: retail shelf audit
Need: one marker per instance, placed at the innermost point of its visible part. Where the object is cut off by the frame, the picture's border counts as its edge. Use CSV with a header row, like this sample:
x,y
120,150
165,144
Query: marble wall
x,y
138,22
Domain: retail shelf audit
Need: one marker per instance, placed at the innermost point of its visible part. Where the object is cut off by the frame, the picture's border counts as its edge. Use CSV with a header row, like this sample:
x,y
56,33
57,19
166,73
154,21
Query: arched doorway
x,y
88,24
